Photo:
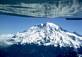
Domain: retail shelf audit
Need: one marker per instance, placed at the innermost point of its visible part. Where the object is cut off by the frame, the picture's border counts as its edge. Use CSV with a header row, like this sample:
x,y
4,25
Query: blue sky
x,y
13,24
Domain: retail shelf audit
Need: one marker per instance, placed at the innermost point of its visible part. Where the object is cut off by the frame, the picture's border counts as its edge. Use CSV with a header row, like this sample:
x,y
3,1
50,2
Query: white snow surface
x,y
43,34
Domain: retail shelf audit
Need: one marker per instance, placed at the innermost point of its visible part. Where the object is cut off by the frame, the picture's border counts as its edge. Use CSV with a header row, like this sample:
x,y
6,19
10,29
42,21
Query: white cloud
x,y
44,9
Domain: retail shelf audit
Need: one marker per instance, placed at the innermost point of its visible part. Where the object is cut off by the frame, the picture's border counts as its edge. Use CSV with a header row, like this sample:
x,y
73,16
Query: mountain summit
x,y
45,34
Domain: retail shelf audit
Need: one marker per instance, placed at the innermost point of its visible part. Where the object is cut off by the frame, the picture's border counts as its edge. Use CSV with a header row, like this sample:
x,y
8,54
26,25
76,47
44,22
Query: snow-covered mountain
x,y
44,34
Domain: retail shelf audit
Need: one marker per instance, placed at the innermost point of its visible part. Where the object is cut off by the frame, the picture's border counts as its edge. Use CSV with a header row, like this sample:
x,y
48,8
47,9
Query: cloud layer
x,y
50,10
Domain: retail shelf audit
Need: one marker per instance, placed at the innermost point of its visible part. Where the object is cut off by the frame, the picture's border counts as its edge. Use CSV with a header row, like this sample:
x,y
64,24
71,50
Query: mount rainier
x,y
43,34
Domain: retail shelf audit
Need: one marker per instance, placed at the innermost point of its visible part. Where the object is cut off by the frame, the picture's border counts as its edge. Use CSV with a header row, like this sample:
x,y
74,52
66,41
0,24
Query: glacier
x,y
43,34
42,40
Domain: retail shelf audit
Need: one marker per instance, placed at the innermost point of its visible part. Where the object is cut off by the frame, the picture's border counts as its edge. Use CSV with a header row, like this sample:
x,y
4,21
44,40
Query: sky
x,y
14,24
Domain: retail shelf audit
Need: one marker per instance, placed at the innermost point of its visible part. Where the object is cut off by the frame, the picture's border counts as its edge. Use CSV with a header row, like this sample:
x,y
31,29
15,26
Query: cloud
x,y
59,9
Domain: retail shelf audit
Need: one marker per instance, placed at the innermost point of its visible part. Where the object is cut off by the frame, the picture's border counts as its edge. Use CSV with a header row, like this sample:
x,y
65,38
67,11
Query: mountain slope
x,y
46,34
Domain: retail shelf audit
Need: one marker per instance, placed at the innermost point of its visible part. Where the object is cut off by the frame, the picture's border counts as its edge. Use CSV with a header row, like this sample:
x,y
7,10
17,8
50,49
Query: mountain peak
x,y
52,24
49,25
46,34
